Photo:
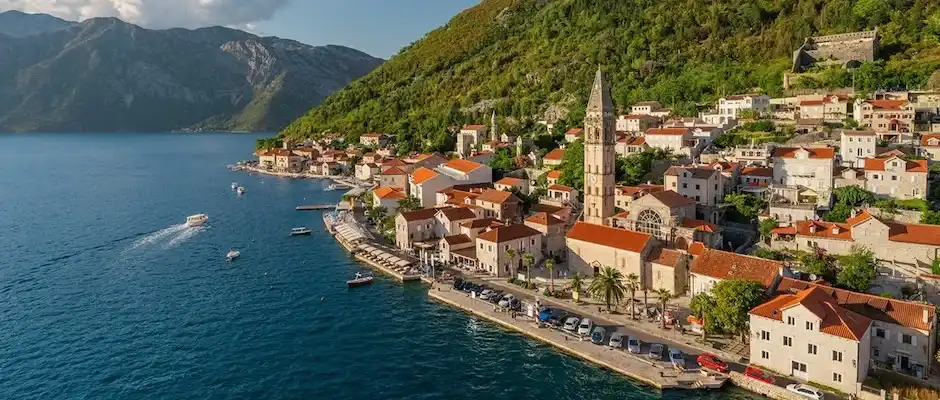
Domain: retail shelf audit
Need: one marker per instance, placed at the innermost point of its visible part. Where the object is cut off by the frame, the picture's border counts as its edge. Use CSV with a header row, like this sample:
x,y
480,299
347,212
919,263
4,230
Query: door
x,y
799,370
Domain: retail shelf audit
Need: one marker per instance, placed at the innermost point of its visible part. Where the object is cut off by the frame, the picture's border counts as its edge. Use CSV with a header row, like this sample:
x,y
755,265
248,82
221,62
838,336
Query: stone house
x,y
415,226
755,177
470,138
573,134
553,158
652,108
636,123
627,145
551,177
497,204
372,139
553,233
855,146
465,172
449,220
807,171
388,197
751,155
424,183
896,116
808,335
704,185
561,195
508,183
828,108
895,177
668,269
492,247
366,171
624,195
394,177
678,140
714,266
929,147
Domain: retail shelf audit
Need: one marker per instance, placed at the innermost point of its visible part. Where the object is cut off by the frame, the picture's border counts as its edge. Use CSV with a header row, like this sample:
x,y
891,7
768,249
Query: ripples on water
x,y
103,295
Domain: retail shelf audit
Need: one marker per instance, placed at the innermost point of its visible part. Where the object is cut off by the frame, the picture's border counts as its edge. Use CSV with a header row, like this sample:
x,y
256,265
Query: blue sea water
x,y
103,295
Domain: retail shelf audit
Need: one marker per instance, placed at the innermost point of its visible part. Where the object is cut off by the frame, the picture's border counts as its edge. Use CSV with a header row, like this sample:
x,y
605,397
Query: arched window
x,y
649,221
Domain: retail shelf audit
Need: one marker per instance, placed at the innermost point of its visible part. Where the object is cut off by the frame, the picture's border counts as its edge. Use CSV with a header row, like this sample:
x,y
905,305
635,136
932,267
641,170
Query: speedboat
x,y
359,280
233,254
300,231
330,188
234,185
197,220
240,190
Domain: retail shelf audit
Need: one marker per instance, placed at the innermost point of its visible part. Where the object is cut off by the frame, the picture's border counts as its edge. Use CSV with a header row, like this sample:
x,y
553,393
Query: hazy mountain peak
x,y
18,24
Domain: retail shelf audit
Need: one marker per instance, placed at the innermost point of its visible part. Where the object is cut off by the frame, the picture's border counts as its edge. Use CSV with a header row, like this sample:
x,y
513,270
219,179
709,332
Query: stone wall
x,y
903,216
766,389
841,48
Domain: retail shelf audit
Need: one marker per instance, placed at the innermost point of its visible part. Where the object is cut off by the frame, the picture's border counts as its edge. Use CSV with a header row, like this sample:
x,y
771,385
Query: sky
x,y
377,27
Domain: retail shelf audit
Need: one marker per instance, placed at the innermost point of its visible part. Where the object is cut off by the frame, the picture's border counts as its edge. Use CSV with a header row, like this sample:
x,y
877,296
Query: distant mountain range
x,y
106,75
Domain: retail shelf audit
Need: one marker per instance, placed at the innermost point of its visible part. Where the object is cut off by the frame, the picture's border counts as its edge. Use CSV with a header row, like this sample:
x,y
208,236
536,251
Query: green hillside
x,y
524,55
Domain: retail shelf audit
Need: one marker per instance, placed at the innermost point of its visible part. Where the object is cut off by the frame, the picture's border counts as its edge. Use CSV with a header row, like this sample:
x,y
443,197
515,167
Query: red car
x,y
711,362
756,373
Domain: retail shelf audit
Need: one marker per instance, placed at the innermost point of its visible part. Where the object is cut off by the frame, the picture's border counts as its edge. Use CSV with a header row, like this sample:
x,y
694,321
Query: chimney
x,y
812,228
854,212
780,271
835,229
926,315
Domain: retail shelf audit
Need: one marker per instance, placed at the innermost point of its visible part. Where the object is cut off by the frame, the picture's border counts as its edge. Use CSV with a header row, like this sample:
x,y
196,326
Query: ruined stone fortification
x,y
846,49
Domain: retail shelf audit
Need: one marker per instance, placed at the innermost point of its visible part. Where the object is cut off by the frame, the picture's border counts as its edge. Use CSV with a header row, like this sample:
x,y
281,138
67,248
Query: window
x,y
811,348
765,355
837,356
764,335
879,333
698,187
809,325
874,176
875,352
685,185
836,377
894,177
791,321
788,341
673,184
907,339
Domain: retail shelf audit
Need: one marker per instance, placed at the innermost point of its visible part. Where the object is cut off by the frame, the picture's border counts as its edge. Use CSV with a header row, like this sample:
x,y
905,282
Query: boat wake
x,y
157,236
183,236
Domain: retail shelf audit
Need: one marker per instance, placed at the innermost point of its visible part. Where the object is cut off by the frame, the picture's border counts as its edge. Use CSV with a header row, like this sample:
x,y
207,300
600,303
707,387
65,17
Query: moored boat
x,y
359,280
330,188
234,185
233,254
240,190
300,231
197,220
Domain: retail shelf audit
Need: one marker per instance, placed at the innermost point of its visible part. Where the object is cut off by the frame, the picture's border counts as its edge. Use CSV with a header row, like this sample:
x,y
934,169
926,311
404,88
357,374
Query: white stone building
x,y
806,170
855,146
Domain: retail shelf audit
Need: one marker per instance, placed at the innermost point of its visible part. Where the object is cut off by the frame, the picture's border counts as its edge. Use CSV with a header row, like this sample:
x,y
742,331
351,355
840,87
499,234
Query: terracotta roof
x,y
387,193
695,172
497,196
609,237
887,104
766,172
671,199
663,256
424,213
422,175
785,230
835,319
574,131
699,225
465,166
652,187
814,152
394,171
474,127
282,153
371,135
458,213
457,239
394,162
812,103
878,164
556,155
824,229
480,223
546,208
722,165
560,188
630,190
860,216
508,232
544,218
724,265
858,133
898,312
509,181
555,174
633,140
697,248
925,140
667,131
914,233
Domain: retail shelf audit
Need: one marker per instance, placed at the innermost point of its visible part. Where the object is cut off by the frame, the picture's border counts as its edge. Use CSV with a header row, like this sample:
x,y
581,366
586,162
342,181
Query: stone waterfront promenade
x,y
656,374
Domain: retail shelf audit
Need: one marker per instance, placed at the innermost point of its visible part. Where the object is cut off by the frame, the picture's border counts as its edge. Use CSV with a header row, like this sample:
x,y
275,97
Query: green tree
x,y
930,217
528,261
572,166
818,264
577,284
632,284
747,205
409,203
766,227
664,296
935,266
512,262
608,285
633,169
377,213
702,305
839,213
502,162
550,265
858,269
853,196
268,143
733,300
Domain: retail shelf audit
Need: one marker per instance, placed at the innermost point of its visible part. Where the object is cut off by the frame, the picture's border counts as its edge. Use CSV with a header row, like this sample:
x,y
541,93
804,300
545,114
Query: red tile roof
x,y
560,188
508,232
555,155
458,213
465,166
424,213
609,237
667,131
497,196
555,174
457,239
925,140
878,164
509,181
633,140
387,193
887,104
835,320
394,171
697,248
574,131
481,223
667,257
724,265
914,233
671,199
699,225
765,172
898,312
824,230
474,127
814,152
545,219
422,175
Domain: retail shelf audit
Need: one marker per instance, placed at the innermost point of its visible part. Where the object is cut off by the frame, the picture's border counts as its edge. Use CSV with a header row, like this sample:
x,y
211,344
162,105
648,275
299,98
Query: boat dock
x,y
316,207
358,242
655,374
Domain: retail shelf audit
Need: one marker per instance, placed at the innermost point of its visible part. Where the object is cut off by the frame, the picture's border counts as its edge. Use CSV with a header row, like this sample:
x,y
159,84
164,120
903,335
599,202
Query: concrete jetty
x,y
315,207
632,366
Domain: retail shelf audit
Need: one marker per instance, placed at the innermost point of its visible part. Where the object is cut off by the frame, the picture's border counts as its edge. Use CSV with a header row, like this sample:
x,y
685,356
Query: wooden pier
x,y
316,207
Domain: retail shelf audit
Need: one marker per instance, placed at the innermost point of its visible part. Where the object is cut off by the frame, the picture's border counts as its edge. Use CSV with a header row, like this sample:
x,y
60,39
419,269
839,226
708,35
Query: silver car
x,y
616,340
633,345
585,327
571,324
656,352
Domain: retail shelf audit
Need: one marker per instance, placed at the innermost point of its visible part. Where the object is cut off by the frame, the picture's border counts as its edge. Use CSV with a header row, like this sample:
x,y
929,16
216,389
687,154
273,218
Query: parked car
x,y
545,314
676,358
585,327
806,391
758,374
506,300
656,352
616,340
558,318
515,304
571,324
598,335
486,293
633,345
496,296
711,362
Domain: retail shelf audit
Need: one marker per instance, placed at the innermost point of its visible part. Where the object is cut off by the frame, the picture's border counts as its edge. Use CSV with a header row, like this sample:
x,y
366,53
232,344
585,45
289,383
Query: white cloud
x,y
156,14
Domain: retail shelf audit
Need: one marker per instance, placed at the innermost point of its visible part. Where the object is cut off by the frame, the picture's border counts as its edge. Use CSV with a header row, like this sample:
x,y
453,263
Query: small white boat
x,y
233,254
300,231
359,280
197,220
234,185
240,190
330,188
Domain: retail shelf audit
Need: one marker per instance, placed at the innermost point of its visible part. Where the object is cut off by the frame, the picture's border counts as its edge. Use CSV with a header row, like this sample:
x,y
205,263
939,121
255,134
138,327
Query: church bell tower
x,y
599,155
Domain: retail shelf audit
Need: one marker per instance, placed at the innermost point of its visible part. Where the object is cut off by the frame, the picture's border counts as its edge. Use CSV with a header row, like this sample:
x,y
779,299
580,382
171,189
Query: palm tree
x,y
664,296
608,284
528,260
577,283
512,261
633,284
550,264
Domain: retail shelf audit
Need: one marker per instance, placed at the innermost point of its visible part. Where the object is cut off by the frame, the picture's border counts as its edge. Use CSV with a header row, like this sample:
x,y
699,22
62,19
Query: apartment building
x,y
704,185
628,144
636,123
895,177
678,140
493,245
809,171
885,115
855,146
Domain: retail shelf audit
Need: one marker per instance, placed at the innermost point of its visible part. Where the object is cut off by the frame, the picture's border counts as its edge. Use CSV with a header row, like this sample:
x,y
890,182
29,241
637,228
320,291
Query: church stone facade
x,y
599,156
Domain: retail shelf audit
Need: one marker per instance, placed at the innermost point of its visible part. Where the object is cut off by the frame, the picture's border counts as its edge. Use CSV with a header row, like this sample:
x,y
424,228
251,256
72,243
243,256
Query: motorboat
x,y
330,188
240,190
234,185
359,280
233,254
303,230
197,220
